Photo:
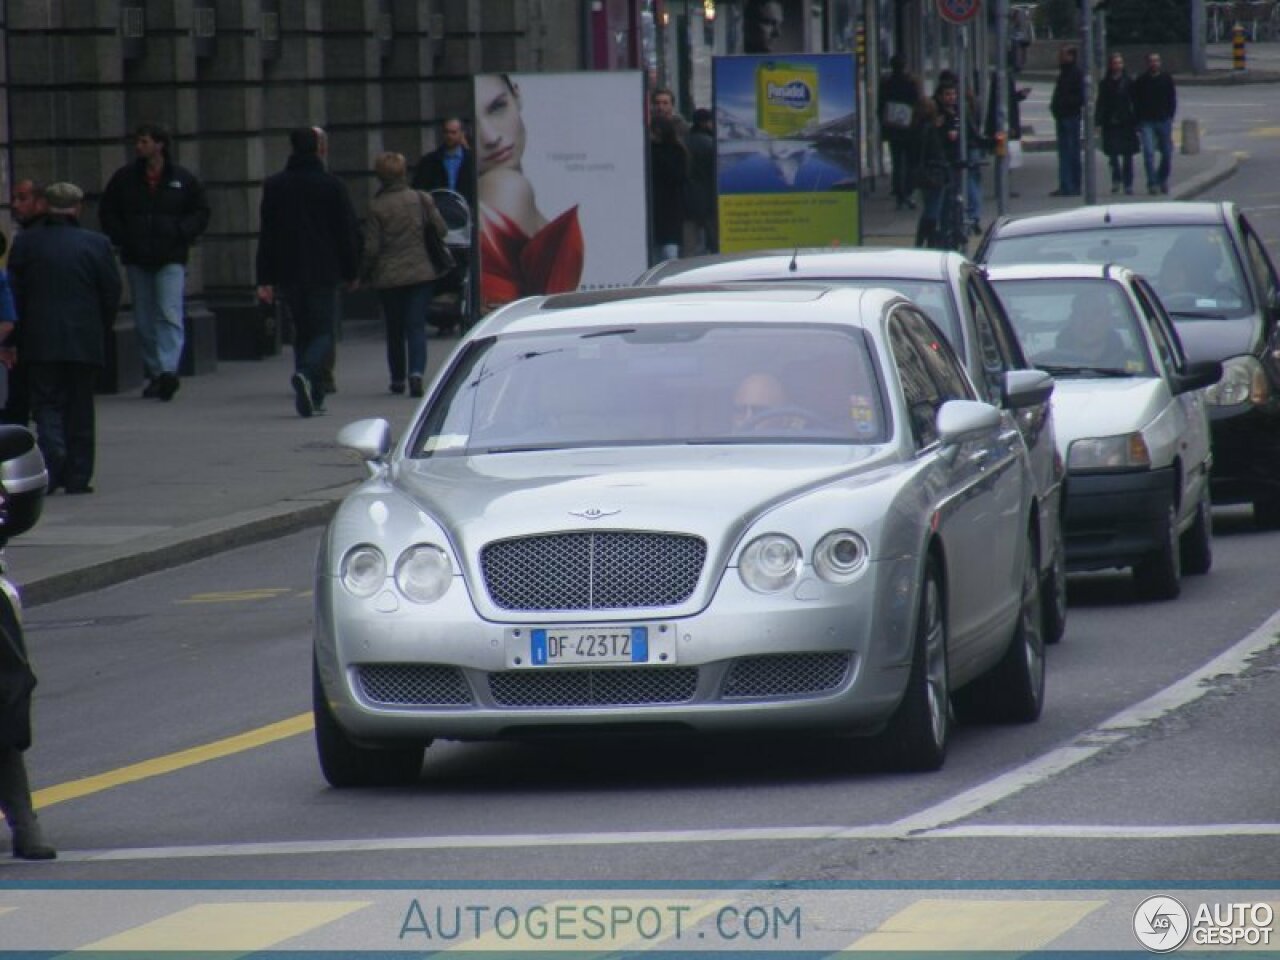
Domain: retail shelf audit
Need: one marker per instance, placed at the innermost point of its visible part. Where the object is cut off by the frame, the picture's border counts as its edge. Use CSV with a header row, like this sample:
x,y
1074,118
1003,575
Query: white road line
x,y
930,823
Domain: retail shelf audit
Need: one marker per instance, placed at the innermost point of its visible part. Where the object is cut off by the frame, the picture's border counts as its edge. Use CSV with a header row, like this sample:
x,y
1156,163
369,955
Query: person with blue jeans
x,y
396,263
308,248
1067,107
153,210
1155,101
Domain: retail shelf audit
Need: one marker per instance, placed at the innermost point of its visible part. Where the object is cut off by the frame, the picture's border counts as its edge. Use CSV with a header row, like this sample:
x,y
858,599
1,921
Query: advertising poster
x,y
558,205
786,151
773,26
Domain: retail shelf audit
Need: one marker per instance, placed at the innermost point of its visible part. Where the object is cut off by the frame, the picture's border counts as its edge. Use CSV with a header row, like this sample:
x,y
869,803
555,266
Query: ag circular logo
x,y
1161,924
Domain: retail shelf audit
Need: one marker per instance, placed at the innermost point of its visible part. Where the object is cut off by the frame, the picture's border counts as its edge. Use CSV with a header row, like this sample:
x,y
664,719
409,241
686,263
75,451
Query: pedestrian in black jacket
x,y
67,290
451,166
1114,115
898,95
1155,101
1067,107
308,247
668,179
153,210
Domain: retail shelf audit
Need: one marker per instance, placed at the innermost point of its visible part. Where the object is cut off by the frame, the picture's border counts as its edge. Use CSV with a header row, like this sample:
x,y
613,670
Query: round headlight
x,y
364,569
423,573
839,556
770,563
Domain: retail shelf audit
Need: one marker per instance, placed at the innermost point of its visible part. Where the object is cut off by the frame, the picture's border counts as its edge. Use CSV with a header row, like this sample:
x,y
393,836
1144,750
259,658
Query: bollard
x,y
1237,47
1190,136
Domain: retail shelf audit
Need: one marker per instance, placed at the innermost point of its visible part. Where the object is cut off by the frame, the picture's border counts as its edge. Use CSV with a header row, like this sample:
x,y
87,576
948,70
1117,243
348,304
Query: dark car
x,y
956,295
1215,278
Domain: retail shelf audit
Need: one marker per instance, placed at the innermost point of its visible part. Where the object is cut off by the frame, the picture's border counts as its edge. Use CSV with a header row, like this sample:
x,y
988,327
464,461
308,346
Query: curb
x,y
1223,169
186,544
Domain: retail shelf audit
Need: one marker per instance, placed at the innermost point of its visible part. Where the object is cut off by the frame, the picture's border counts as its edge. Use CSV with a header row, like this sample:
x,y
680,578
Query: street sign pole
x,y
1001,100
1086,114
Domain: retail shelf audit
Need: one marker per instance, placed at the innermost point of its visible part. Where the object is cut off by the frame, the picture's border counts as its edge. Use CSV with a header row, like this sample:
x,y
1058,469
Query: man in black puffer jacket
x,y
153,210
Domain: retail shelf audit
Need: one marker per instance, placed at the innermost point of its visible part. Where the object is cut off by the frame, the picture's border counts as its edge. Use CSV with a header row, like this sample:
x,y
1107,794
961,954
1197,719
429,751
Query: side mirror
x,y
961,420
1026,388
369,439
23,481
1197,376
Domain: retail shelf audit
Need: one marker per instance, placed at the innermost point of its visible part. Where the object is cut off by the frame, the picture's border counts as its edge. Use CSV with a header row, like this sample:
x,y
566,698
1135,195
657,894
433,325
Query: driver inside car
x,y
761,405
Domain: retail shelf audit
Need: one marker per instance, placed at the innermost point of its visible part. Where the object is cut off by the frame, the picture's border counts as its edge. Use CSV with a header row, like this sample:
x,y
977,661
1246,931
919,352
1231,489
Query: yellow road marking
x,y
1265,132
241,927
174,761
985,925
236,596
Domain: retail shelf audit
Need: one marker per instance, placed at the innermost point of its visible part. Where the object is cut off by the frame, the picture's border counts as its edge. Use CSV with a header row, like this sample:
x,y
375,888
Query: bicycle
x,y
953,233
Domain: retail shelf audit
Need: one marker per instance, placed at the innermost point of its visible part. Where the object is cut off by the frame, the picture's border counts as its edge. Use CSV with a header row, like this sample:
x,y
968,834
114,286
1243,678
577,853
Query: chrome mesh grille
x,y
414,684
609,570
635,686
785,675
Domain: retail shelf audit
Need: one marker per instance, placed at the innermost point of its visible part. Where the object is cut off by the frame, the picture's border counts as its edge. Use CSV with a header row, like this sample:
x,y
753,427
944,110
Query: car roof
x,y
1171,213
1060,271
717,303
808,263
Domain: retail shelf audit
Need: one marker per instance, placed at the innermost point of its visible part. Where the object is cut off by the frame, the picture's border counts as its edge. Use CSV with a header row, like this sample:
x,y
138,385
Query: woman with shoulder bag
x,y
398,265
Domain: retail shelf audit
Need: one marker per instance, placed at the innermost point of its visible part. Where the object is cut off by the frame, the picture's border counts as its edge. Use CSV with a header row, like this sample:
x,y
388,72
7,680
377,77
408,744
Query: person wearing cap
x,y
153,210
67,290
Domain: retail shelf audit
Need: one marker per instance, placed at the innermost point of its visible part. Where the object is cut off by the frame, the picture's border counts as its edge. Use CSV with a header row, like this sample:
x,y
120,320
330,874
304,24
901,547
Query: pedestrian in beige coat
x,y
396,264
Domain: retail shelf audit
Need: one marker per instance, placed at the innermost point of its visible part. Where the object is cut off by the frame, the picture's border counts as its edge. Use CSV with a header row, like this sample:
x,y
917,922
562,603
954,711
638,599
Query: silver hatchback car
x,y
1131,419
957,296
683,509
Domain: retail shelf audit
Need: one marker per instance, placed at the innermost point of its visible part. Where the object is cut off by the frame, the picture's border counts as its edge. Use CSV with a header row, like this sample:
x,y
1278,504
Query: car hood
x,y
704,490
1104,408
1217,339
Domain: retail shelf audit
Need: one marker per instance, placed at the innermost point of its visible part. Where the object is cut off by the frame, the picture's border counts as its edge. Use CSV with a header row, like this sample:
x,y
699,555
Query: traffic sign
x,y
958,11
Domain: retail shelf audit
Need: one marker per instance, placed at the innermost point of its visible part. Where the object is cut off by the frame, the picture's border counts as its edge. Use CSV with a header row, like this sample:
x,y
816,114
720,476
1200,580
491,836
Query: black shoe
x,y
1115,187
303,401
326,382
1153,190
29,844
166,386
415,386
74,486
397,386
1164,188
1059,193
152,389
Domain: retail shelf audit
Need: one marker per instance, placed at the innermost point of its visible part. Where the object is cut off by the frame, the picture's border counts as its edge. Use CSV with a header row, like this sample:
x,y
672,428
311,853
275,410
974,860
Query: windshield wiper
x,y
1061,370
621,331
485,373
1198,314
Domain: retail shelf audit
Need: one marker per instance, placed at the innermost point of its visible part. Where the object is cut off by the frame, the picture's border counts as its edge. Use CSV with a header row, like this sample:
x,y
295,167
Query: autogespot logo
x,y
1161,924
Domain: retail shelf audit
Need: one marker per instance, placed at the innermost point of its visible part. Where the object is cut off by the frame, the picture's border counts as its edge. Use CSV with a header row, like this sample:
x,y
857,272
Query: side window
x,y
1263,270
994,360
940,360
921,393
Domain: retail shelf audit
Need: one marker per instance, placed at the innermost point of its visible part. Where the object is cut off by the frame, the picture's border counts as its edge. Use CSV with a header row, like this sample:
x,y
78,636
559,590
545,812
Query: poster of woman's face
x,y
772,26
557,206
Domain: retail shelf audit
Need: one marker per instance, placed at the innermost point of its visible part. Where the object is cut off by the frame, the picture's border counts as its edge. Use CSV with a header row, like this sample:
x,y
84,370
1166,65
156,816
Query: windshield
x,y
1193,268
1081,327
930,295
661,384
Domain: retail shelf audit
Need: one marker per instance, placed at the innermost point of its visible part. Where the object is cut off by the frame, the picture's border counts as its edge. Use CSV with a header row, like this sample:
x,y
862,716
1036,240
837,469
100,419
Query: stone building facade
x,y
232,77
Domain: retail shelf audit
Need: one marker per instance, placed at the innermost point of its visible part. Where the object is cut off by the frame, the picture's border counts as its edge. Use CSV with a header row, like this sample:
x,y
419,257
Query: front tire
x,y
347,764
1158,575
1053,595
917,734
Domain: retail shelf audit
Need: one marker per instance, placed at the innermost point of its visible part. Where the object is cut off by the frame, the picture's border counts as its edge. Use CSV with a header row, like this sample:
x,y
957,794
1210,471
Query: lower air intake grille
x,y
785,675
414,684
594,688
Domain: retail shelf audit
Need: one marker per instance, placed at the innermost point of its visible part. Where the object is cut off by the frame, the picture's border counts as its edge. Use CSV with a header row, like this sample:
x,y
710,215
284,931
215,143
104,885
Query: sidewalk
x,y
229,462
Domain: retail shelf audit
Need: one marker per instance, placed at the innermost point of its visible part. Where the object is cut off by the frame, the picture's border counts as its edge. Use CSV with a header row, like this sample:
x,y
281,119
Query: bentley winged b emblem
x,y
593,513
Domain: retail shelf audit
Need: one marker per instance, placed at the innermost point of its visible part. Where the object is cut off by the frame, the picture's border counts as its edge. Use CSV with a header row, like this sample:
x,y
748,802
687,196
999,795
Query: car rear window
x,y
1192,267
672,383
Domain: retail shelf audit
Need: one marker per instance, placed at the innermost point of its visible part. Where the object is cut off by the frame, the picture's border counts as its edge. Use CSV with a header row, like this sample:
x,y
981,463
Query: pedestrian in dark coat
x,y
1155,102
1067,107
668,181
928,168
1115,117
450,166
898,95
308,247
66,287
153,210
701,195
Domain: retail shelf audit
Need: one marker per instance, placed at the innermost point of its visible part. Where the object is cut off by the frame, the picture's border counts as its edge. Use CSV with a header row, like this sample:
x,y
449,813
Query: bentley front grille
x,y
785,675
414,685
633,686
610,570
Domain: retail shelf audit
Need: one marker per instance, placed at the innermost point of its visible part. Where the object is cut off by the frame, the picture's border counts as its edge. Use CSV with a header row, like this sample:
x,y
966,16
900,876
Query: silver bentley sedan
x,y
701,509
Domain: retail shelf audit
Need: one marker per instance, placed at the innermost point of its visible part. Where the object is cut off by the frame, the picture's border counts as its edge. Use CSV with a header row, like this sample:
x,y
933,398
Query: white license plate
x,y
588,645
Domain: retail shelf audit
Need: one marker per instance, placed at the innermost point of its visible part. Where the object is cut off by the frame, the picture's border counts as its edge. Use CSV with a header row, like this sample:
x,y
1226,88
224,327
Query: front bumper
x,y
817,656
1246,453
1114,519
